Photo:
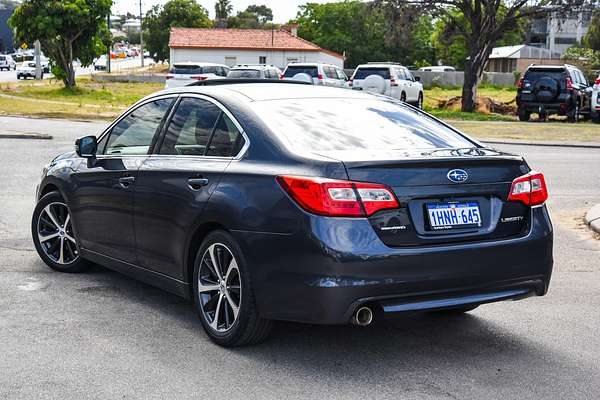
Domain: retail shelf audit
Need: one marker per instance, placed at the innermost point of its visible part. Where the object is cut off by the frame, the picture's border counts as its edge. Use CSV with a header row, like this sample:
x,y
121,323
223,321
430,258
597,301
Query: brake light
x,y
529,189
521,83
170,77
597,81
569,84
393,82
281,76
350,82
320,77
337,198
198,77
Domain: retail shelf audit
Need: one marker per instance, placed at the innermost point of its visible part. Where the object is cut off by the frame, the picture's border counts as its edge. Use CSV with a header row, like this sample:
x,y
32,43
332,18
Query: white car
x,y
27,70
260,71
595,106
7,62
101,63
388,79
317,74
438,68
182,74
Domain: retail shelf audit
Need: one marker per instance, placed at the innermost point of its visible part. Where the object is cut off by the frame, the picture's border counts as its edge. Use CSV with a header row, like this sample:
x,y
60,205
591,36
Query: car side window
x,y
133,135
190,128
341,75
226,139
582,79
409,75
400,74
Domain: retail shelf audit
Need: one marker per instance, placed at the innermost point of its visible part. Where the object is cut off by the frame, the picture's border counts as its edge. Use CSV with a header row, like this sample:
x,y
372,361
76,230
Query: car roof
x,y
199,64
308,64
250,92
382,65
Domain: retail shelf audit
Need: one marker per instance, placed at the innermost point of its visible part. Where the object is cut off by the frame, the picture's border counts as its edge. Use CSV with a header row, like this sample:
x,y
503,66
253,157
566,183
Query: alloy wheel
x,y
219,287
55,234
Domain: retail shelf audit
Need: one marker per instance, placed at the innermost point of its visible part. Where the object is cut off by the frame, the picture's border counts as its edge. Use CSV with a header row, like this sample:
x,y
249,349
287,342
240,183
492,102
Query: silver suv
x,y
7,62
317,74
259,71
389,79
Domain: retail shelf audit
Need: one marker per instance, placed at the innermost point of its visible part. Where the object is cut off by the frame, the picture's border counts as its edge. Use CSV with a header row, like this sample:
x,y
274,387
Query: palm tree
x,y
223,9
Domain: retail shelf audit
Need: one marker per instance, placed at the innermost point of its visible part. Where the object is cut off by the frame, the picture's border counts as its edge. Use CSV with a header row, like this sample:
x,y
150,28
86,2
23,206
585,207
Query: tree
x,y
361,30
174,14
253,17
484,24
66,29
223,9
592,38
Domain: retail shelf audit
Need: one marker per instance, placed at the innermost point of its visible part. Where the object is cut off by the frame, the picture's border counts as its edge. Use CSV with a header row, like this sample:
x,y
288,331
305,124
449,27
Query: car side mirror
x,y
86,146
417,79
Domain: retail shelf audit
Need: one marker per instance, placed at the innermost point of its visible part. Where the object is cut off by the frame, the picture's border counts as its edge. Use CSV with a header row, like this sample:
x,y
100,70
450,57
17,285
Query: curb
x,y
580,145
38,136
592,218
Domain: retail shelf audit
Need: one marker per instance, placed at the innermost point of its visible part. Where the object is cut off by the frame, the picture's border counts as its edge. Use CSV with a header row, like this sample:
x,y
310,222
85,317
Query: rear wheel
x,y
543,116
53,235
403,97
573,114
223,293
524,115
420,101
595,117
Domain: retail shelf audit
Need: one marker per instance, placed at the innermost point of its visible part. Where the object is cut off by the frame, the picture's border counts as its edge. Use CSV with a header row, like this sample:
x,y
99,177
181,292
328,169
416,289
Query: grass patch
x,y
501,94
465,116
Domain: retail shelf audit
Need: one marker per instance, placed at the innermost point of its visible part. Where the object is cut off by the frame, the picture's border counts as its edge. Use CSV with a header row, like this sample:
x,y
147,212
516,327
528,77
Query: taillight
x,y
521,83
281,76
350,82
569,84
393,82
170,77
338,198
597,81
320,77
198,77
529,189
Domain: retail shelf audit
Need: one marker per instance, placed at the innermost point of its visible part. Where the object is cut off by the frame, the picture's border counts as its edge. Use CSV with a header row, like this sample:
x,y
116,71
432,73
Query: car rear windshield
x,y
192,70
2,58
244,73
362,73
331,124
292,71
534,75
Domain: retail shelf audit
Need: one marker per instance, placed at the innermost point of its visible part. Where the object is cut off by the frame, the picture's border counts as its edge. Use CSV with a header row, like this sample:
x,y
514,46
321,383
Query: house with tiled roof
x,y
277,47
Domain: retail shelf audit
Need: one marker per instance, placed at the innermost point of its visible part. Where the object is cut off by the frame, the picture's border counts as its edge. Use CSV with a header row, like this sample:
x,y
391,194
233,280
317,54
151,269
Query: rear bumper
x,y
549,108
324,274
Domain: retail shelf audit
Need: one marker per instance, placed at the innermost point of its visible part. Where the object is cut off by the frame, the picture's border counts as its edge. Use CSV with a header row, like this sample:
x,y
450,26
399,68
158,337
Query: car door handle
x,y
126,181
197,183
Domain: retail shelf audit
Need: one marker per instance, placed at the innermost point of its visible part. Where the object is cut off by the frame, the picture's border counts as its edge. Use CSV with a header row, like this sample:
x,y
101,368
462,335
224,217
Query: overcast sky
x,y
283,10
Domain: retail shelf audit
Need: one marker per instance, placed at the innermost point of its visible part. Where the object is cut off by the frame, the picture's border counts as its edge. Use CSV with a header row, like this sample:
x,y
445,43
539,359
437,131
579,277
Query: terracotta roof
x,y
241,39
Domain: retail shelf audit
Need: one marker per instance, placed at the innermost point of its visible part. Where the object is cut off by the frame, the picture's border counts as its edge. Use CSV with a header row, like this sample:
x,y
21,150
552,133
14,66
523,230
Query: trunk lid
x,y
420,180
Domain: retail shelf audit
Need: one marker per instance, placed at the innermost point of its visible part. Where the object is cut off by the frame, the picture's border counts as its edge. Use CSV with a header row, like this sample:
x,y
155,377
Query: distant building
x,y
132,25
518,58
6,33
558,33
247,46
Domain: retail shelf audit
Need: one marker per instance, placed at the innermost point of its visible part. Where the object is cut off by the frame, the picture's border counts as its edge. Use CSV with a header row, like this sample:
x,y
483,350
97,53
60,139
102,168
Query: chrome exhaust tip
x,y
362,317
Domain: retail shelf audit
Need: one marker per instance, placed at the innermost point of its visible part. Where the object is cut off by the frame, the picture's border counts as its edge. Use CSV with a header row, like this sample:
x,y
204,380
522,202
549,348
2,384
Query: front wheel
x,y
53,235
420,101
223,293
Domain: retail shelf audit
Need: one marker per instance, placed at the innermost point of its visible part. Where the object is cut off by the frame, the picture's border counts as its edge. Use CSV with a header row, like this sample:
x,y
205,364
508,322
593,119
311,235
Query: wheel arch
x,y
194,242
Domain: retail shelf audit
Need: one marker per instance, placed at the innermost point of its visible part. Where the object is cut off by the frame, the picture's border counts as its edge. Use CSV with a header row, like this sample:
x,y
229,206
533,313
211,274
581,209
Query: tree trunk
x,y
69,80
473,73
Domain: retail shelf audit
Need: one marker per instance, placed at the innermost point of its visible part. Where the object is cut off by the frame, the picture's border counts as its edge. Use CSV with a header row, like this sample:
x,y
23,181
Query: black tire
x,y
595,117
543,116
419,104
248,327
524,115
403,97
67,238
455,310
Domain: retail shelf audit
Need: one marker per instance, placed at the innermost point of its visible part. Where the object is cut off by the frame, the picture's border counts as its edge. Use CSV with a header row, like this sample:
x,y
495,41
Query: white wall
x,y
278,58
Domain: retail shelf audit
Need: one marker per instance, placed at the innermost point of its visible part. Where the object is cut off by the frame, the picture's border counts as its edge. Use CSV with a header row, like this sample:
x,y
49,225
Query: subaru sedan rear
x,y
278,201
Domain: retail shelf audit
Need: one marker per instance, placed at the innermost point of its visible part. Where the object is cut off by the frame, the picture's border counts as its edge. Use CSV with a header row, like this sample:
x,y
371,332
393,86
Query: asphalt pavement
x,y
100,335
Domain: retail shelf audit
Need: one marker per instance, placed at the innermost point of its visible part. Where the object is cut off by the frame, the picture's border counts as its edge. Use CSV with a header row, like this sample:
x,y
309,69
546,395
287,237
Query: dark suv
x,y
551,89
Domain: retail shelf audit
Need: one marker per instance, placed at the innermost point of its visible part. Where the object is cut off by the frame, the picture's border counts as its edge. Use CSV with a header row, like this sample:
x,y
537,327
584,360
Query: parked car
x,y
101,63
595,101
260,71
281,201
27,69
438,68
7,62
317,74
182,74
45,64
550,89
389,79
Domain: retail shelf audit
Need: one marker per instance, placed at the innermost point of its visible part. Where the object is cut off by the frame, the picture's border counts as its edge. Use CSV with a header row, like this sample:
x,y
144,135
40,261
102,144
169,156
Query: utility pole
x,y
38,61
141,34
109,44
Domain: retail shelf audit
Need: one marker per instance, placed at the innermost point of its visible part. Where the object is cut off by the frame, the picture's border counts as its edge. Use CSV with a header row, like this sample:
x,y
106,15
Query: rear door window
x,y
244,73
330,72
362,73
190,128
185,69
293,70
225,138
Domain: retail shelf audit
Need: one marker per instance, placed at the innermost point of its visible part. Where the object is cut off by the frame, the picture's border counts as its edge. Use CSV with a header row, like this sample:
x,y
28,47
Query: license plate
x,y
453,215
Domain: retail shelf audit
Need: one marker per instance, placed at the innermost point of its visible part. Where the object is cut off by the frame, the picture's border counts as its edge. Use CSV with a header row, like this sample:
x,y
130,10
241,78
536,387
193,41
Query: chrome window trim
x,y
221,107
